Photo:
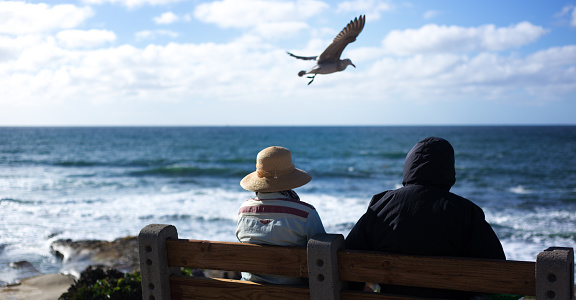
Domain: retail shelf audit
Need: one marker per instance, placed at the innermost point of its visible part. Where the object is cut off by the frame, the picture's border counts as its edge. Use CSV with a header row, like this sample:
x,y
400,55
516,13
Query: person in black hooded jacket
x,y
425,218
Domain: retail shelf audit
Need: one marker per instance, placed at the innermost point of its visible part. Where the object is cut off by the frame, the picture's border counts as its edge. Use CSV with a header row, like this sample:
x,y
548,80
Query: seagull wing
x,y
303,57
345,37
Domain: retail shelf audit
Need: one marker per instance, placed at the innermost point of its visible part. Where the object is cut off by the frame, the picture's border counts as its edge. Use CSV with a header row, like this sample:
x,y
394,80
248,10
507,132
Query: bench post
x,y
555,274
324,281
154,261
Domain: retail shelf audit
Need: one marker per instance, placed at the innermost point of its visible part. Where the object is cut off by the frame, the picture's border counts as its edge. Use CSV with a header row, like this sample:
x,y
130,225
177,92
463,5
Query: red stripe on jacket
x,y
273,209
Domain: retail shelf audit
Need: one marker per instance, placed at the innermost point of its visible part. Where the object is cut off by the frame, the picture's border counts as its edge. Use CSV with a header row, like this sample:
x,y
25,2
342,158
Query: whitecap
x,y
519,189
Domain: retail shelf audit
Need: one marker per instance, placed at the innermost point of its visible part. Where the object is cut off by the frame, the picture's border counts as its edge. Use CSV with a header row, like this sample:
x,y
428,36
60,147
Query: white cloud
x,y
557,57
152,34
569,10
174,72
133,3
255,13
275,30
268,19
373,9
166,18
39,72
431,14
433,38
437,63
85,38
20,17
536,79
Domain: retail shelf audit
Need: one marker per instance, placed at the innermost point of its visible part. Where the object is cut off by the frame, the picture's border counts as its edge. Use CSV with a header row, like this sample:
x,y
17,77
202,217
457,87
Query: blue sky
x,y
185,62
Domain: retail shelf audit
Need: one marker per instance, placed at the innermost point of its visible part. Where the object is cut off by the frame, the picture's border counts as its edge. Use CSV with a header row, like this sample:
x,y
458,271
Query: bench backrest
x,y
327,264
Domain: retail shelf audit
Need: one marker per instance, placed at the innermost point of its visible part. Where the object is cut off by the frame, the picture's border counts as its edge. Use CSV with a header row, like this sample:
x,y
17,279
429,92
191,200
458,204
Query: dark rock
x,y
53,234
24,269
120,254
23,264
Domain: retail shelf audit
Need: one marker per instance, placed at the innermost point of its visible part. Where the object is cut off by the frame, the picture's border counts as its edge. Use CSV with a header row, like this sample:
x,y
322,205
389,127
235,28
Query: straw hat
x,y
274,172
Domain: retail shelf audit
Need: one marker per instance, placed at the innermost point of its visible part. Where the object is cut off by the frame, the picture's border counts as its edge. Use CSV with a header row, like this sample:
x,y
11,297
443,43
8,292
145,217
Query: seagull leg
x,y
312,78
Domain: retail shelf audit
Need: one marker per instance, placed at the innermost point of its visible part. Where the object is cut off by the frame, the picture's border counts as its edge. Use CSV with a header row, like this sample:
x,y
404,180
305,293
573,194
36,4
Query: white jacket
x,y
273,219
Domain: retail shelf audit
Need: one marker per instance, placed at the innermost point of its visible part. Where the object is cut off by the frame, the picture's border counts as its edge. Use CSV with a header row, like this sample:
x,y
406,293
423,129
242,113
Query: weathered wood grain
x,y
287,261
187,288
465,274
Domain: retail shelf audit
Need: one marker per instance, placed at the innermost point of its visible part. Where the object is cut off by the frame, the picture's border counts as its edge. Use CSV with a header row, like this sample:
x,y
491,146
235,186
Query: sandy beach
x,y
42,287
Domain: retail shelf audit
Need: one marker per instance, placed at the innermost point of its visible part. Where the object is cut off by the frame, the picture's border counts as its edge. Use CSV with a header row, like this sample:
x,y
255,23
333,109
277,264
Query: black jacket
x,y
424,217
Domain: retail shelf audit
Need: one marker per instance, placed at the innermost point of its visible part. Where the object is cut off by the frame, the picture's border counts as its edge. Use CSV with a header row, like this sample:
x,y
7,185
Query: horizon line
x,y
304,125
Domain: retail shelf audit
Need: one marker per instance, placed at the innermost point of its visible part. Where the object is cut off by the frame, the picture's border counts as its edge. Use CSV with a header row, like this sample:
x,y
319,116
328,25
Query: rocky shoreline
x,y
120,254
76,256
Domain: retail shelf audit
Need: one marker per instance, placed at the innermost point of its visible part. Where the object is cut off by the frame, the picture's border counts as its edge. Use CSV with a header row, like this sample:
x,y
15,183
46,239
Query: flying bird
x,y
329,61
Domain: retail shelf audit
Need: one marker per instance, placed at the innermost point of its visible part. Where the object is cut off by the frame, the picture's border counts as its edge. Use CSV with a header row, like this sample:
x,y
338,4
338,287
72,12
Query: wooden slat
x,y
187,288
489,276
287,261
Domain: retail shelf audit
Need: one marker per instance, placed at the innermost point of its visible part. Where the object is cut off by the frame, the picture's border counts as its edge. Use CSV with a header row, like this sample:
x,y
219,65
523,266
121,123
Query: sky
x,y
224,63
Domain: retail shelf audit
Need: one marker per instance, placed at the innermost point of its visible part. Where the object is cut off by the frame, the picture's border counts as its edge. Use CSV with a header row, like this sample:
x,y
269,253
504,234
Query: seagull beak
x,y
353,65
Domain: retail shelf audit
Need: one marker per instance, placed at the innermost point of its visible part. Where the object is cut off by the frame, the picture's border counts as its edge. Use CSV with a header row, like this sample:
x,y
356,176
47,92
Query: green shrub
x,y
96,284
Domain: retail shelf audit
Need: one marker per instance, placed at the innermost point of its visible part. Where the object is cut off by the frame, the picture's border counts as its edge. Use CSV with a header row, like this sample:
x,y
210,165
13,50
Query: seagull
x,y
329,61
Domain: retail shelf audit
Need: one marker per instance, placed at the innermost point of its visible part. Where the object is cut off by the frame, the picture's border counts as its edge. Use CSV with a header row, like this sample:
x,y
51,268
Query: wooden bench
x,y
327,265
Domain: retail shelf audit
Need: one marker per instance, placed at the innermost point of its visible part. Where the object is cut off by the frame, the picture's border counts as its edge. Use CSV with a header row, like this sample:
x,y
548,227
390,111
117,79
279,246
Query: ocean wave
x,y
240,172
189,172
80,163
519,189
109,163
393,155
19,201
177,217
551,227
340,172
379,154
123,160
233,160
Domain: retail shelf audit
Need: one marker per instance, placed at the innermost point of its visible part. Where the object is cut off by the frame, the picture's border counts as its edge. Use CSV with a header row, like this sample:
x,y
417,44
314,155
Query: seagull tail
x,y
301,73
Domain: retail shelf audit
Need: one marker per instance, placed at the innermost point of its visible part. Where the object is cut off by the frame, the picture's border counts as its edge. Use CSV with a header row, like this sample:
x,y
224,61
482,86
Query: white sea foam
x,y
519,189
517,250
210,213
526,233
337,211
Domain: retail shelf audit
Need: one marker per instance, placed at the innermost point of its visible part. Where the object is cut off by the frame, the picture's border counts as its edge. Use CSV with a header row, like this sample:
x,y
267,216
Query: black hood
x,y
430,162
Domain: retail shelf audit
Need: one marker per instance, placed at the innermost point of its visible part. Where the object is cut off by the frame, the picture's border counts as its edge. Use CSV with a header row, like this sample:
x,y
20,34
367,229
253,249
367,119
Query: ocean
x,y
109,182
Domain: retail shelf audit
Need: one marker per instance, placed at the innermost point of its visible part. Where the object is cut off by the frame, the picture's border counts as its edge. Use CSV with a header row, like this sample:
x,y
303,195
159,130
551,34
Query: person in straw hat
x,y
276,216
